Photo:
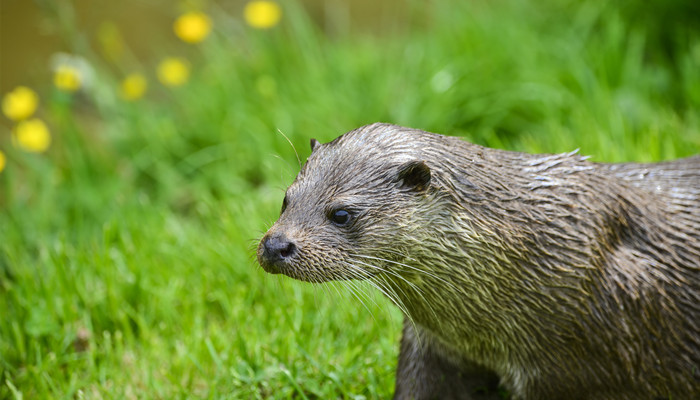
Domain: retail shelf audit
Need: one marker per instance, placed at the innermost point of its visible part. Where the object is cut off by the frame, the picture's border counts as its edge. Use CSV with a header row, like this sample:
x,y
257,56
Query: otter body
x,y
547,275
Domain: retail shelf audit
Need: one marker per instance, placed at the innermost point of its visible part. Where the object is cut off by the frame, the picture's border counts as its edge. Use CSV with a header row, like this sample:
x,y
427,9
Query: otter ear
x,y
414,175
314,144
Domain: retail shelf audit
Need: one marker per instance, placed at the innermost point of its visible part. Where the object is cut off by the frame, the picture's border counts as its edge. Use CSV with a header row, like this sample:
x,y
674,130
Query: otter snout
x,y
275,251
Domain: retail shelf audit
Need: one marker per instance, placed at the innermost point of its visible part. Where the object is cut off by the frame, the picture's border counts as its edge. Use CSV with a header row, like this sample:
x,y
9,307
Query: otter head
x,y
342,215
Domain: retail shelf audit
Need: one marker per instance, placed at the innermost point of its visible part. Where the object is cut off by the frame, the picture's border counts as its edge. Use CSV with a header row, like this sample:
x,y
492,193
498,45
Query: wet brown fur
x,y
555,276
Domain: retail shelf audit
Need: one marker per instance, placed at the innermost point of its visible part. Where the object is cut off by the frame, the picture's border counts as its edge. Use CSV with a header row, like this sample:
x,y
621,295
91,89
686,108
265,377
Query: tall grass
x,y
126,252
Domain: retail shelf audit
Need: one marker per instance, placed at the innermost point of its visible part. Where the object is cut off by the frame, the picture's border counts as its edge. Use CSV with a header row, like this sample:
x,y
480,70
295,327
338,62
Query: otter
x,y
523,275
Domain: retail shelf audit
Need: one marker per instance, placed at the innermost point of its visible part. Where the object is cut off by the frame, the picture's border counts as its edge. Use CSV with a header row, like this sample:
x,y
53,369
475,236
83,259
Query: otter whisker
x,y
320,287
291,144
386,271
359,274
334,285
417,289
363,276
387,291
393,287
359,293
412,285
398,302
407,266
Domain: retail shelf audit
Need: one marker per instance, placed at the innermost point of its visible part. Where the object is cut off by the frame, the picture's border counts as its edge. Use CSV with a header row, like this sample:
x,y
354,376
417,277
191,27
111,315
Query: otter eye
x,y
340,217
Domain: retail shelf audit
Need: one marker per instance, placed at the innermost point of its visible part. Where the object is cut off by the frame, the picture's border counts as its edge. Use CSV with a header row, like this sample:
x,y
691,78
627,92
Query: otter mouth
x,y
293,271
277,254
270,268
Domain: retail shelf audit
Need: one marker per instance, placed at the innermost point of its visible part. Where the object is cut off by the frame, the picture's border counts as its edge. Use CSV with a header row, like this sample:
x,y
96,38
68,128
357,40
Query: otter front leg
x,y
425,373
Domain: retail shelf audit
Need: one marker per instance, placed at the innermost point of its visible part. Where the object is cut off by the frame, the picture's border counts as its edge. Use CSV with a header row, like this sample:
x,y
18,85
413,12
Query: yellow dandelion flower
x,y
2,160
262,14
173,71
32,135
192,27
67,78
20,103
133,87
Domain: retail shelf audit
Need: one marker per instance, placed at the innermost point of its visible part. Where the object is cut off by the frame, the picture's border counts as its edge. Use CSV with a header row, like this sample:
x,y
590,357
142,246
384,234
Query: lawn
x,y
127,247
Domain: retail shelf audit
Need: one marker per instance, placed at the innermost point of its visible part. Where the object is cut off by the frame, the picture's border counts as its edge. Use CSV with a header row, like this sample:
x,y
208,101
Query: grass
x,y
127,263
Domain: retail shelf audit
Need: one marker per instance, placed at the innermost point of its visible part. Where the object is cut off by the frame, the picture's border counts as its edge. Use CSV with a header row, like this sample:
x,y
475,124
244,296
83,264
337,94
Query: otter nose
x,y
276,248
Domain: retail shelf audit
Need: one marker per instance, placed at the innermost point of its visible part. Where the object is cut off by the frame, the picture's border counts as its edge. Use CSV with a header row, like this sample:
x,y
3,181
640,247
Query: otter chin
x,y
546,276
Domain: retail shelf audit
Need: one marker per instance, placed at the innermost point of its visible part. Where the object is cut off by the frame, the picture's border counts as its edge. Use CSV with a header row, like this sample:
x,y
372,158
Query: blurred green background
x,y
146,155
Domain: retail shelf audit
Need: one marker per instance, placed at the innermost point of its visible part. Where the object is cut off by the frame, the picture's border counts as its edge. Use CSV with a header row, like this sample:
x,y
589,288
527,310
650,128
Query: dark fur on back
x,y
558,277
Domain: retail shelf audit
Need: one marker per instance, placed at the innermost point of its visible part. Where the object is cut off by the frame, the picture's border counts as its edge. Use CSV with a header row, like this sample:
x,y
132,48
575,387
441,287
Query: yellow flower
x,y
32,135
173,71
20,103
133,87
262,14
192,27
67,78
2,160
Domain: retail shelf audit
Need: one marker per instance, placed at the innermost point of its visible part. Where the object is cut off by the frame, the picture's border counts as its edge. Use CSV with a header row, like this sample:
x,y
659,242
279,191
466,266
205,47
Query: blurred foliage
x,y
126,249
669,25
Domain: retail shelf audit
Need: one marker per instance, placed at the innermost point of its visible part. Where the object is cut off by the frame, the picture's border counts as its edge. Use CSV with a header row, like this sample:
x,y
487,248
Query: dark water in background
x,y
32,31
